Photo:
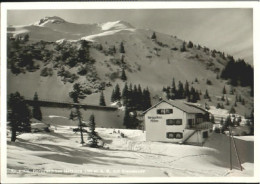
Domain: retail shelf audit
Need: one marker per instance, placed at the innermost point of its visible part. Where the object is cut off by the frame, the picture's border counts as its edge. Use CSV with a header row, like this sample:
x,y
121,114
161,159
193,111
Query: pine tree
x,y
123,75
113,99
122,48
208,82
127,120
102,99
76,94
139,98
223,98
26,38
232,110
192,96
206,95
93,134
146,99
168,96
18,115
224,90
173,83
186,89
130,96
197,96
114,49
153,37
173,90
37,114
190,44
227,123
183,48
213,54
180,91
117,93
125,95
135,97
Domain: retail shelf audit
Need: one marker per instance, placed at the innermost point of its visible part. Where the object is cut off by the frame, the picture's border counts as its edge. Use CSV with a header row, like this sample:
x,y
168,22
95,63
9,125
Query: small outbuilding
x,y
176,121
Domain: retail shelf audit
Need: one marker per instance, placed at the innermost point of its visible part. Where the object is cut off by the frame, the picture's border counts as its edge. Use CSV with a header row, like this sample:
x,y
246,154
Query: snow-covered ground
x,y
59,154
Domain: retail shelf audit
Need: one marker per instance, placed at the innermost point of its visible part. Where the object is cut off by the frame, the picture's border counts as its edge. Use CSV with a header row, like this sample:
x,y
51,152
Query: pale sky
x,y
227,30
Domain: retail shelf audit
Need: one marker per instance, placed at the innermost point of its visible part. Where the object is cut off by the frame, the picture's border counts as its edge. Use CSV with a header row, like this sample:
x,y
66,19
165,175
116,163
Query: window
x,y
168,111
190,121
178,122
199,120
174,135
174,122
178,135
164,111
170,135
160,111
170,122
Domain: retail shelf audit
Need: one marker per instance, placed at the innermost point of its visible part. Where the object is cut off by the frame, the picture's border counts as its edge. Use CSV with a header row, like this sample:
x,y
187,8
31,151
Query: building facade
x,y
177,122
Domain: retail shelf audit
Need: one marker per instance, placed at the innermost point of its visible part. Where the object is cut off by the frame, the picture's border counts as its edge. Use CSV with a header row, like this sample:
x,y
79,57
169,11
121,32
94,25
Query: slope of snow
x,y
115,25
107,33
60,154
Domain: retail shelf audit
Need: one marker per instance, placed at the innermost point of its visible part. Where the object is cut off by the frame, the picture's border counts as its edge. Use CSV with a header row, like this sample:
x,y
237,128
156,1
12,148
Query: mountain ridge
x,y
55,28
150,62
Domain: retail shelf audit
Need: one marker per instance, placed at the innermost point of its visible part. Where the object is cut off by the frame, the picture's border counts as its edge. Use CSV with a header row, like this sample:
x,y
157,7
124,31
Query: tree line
x,y
19,114
182,92
132,96
239,73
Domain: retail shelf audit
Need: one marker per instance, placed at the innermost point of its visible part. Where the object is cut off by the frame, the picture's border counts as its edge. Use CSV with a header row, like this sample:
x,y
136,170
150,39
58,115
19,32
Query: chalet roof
x,y
180,105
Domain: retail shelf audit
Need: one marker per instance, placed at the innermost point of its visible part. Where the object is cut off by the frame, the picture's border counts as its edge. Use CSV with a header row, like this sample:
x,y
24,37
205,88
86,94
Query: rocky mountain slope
x,y
150,62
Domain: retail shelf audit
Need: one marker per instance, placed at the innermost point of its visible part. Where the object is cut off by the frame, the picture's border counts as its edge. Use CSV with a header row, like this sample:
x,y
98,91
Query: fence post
x,y
230,148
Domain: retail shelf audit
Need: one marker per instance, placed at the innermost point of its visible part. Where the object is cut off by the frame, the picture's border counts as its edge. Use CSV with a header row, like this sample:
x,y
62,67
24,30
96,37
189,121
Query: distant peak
x,y
52,19
119,24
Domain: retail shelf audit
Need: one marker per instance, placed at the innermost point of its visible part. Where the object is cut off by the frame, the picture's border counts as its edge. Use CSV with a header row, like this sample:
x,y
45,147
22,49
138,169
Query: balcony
x,y
200,126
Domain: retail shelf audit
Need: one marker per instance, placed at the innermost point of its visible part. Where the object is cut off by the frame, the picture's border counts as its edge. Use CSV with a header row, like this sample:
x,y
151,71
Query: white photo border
x,y
127,5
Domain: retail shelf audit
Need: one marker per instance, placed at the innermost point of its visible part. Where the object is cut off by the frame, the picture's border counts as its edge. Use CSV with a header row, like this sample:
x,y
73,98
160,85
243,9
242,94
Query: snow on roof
x,y
180,105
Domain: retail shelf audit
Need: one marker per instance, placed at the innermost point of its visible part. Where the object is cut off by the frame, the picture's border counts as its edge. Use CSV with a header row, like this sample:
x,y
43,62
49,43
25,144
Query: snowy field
x,y
59,154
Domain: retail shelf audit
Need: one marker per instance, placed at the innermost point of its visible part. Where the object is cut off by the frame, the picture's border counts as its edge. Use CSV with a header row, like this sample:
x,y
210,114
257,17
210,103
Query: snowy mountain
x,y
55,28
49,20
149,62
